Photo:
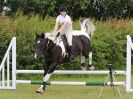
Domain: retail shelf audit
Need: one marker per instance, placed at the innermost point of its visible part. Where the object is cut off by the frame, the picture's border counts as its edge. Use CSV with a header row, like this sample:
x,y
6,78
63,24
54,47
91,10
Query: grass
x,y
25,91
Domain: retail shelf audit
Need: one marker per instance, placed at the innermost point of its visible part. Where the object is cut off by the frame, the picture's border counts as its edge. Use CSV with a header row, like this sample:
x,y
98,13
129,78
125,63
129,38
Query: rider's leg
x,y
69,40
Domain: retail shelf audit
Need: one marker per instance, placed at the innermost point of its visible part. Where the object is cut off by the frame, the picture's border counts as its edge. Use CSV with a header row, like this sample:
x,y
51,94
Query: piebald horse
x,y
55,49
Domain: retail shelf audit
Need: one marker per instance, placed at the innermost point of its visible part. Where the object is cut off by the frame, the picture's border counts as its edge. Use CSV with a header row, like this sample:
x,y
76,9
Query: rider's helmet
x,y
63,9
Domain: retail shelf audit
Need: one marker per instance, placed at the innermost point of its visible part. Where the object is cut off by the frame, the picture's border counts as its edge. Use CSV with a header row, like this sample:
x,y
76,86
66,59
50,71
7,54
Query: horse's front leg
x,y
47,74
41,89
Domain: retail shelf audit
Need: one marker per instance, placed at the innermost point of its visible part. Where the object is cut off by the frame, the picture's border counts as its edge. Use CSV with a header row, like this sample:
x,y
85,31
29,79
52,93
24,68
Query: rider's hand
x,y
58,34
53,32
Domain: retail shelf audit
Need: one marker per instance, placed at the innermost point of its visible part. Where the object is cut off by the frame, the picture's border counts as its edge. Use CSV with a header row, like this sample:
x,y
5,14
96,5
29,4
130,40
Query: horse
x,y
55,49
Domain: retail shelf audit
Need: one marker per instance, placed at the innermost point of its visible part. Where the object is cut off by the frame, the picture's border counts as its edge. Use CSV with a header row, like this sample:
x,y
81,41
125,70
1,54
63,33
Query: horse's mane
x,y
50,36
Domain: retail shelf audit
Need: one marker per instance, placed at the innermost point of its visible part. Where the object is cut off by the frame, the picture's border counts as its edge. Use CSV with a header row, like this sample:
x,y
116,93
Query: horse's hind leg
x,y
88,62
90,58
90,66
82,65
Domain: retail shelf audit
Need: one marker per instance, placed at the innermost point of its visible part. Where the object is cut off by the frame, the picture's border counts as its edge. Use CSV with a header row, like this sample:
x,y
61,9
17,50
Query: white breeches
x,y
69,35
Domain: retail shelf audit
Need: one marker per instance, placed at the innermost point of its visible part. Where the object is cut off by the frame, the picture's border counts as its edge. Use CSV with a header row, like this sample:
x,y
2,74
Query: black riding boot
x,y
72,57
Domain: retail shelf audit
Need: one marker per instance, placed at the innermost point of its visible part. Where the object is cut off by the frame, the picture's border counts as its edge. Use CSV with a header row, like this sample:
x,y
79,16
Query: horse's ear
x,y
42,35
36,34
81,19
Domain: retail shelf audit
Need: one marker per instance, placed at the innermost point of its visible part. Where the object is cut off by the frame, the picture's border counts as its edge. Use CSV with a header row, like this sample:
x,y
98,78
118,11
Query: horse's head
x,y
40,45
87,26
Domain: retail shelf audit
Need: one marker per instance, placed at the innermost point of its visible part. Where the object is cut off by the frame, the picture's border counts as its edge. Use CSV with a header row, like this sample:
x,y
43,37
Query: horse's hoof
x,y
83,68
72,60
91,68
40,90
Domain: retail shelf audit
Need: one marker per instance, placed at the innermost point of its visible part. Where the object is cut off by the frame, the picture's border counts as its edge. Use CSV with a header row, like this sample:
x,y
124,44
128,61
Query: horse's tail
x,y
88,26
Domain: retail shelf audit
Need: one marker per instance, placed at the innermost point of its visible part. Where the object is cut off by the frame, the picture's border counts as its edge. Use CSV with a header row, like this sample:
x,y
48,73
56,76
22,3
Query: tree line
x,y
98,9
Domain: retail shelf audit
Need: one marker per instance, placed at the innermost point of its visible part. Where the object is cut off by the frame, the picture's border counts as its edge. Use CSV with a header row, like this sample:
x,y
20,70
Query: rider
x,y
64,26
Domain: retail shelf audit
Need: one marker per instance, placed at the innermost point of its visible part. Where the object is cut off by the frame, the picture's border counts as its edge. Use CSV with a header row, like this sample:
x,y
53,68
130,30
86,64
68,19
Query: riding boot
x,y
72,57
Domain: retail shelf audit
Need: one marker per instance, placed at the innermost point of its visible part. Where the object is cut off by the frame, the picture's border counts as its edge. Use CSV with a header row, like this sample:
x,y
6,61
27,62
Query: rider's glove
x,y
58,34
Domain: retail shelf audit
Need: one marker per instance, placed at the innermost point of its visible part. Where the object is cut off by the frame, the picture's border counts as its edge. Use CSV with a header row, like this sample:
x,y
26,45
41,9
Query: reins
x,y
52,44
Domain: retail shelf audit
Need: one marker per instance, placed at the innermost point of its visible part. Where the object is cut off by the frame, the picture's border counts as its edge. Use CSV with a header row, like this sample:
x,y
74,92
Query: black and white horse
x,y
55,49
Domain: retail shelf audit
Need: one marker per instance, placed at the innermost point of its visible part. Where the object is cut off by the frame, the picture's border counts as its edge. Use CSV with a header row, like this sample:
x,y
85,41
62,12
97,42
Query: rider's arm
x,y
56,27
62,27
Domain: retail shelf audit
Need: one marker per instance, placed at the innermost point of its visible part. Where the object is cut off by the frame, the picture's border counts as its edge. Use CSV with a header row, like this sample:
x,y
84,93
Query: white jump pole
x,y
69,72
14,64
128,64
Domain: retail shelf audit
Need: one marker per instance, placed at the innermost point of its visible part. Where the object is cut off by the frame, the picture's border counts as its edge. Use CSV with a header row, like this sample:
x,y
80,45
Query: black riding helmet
x,y
63,9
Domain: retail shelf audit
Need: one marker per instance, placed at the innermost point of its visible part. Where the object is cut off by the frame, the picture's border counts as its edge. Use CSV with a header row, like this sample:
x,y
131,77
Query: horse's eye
x,y
38,41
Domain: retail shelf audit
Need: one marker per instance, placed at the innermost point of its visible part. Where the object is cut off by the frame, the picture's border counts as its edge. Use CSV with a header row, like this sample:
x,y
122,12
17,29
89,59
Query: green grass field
x,y
26,91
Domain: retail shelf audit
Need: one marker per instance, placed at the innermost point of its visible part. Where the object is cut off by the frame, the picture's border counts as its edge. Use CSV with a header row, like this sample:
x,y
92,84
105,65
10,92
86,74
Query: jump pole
x,y
70,72
69,83
128,64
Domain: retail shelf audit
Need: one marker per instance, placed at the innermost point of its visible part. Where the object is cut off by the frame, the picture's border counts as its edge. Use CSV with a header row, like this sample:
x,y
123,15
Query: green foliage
x,y
108,42
98,9
6,32
25,32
